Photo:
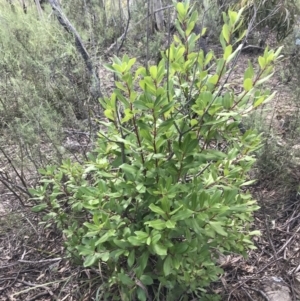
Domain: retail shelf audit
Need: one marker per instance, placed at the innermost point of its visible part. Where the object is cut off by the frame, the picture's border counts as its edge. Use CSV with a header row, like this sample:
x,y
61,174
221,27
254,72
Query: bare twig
x,y
40,261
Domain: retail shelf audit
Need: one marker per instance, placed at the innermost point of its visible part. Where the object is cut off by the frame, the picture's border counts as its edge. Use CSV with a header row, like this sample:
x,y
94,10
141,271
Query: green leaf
x,y
140,188
217,226
90,260
255,233
248,183
214,79
135,241
175,210
158,224
129,169
227,100
231,56
157,209
141,235
227,52
150,84
248,84
143,260
263,80
39,207
259,101
131,258
146,280
110,233
226,33
105,256
160,249
153,72
176,261
121,86
180,9
126,280
170,224
128,115
262,62
121,243
109,114
249,73
155,236
182,215
233,15
167,267
277,53
141,294
181,248
270,97
86,250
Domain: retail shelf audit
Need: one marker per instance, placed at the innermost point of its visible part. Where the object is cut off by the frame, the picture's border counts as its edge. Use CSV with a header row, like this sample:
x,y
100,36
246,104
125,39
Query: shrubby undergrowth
x,y
165,191
43,84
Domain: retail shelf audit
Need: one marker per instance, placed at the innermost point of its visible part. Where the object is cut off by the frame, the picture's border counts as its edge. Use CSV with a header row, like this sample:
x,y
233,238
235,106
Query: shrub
x,y
165,192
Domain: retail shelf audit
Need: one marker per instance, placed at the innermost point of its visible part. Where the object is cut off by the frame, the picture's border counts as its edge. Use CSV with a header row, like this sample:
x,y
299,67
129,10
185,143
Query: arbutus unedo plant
x,y
166,190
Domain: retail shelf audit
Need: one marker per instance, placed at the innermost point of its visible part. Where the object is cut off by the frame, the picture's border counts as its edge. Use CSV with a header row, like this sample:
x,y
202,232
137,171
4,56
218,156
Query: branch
x,y
122,37
63,20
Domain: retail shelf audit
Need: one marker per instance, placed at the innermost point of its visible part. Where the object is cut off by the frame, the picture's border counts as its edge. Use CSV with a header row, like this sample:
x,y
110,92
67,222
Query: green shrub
x,y
165,192
44,87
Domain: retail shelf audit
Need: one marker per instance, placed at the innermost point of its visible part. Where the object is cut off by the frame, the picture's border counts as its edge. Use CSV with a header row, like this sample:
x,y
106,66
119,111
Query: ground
x,y
33,267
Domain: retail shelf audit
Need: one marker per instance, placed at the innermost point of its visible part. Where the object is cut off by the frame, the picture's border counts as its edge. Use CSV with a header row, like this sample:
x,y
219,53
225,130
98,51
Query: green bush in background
x,y
165,192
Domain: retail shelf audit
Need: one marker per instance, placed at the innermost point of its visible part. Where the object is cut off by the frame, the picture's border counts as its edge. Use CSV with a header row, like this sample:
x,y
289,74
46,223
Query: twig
x,y
126,29
34,286
249,296
30,223
259,291
288,241
40,261
38,296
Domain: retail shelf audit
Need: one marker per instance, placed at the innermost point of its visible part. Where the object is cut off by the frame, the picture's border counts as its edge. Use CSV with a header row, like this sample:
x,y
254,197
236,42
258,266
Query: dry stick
x,y
287,242
40,261
148,34
259,291
14,193
15,169
34,286
269,238
126,29
249,296
30,223
63,20
38,296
